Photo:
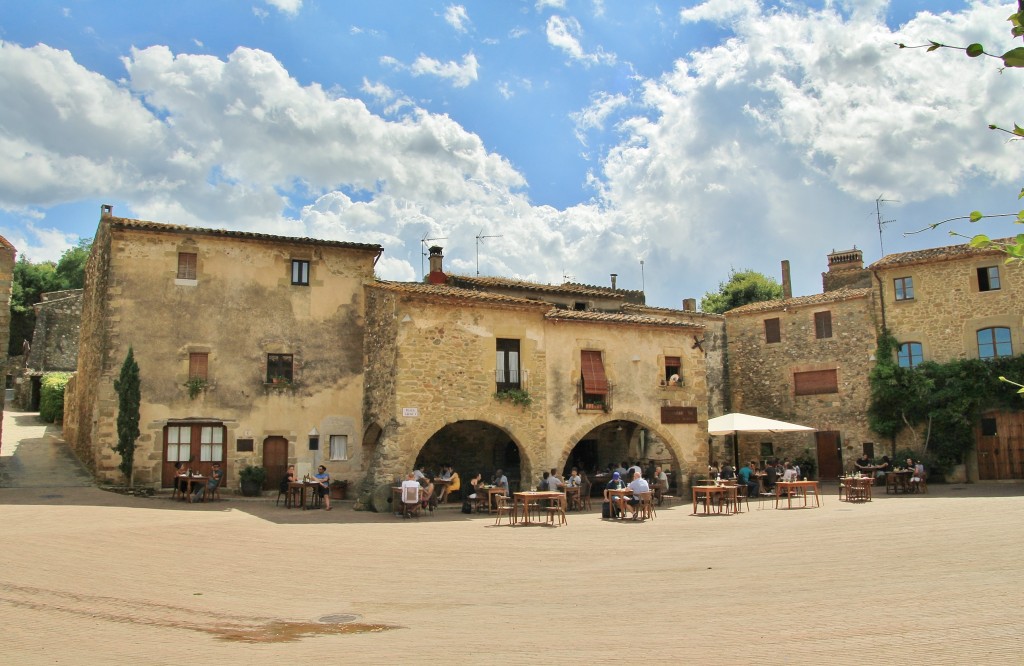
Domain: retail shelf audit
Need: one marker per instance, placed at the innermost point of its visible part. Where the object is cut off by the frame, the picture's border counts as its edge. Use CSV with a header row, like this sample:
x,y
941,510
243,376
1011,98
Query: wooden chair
x,y
505,507
411,501
892,482
741,496
645,508
289,494
556,511
585,494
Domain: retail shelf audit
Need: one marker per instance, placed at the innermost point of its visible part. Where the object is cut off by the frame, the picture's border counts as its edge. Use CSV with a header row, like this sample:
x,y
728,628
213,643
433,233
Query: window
x,y
339,447
904,288
186,265
594,381
300,272
994,342
279,366
673,371
816,382
869,449
988,278
909,355
579,306
314,443
179,443
211,444
198,365
767,450
244,445
988,427
823,324
772,330
506,366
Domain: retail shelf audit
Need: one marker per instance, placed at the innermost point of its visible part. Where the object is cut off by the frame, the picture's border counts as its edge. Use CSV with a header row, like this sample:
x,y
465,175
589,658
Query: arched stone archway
x,y
472,446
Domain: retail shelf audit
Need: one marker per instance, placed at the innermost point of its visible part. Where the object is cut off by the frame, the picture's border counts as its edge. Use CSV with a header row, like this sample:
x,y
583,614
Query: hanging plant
x,y
515,396
195,385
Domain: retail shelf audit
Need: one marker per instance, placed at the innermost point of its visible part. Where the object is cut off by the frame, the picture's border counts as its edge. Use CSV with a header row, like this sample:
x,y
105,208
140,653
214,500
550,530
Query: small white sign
x,y
410,411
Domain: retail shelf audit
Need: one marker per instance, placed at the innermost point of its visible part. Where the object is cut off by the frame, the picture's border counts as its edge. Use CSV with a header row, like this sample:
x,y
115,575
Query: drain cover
x,y
341,618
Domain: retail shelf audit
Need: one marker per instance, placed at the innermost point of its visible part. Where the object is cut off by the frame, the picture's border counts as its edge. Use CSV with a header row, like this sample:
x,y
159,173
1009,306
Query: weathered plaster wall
x,y
7,257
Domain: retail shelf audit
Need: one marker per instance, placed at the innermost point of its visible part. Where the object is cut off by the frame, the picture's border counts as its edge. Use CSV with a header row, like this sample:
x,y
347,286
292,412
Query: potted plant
x,y
339,488
252,478
195,385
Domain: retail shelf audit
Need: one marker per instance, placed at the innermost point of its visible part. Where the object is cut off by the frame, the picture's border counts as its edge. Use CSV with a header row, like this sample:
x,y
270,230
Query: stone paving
x,y
88,576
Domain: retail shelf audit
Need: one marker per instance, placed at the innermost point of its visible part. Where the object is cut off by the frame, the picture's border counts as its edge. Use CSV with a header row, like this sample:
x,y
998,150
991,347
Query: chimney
x,y
787,285
436,276
614,275
106,210
690,304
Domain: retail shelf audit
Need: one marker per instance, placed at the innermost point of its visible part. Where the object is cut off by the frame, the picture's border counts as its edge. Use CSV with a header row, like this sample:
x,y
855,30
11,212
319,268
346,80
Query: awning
x,y
736,422
594,380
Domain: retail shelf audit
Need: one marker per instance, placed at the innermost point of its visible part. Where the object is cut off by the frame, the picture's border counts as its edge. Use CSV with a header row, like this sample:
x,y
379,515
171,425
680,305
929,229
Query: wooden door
x,y
275,461
1000,444
830,464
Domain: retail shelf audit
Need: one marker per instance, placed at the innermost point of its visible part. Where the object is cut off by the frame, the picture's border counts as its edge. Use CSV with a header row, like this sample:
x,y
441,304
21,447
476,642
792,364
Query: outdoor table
x,y
439,486
900,480
189,481
572,497
857,489
790,488
610,493
708,491
487,494
301,486
525,497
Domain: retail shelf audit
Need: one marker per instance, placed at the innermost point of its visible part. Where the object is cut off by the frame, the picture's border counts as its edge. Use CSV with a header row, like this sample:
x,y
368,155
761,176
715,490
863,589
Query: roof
x,y
839,295
445,291
936,254
617,318
568,288
144,225
648,309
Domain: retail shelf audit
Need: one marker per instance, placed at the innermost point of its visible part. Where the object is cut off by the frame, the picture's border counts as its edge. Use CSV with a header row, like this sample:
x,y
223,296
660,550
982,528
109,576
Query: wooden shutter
x,y
772,330
198,365
823,324
594,379
816,382
186,265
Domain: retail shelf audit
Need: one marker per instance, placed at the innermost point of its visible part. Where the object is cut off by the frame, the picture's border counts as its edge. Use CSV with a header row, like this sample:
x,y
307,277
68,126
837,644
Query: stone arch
x,y
634,417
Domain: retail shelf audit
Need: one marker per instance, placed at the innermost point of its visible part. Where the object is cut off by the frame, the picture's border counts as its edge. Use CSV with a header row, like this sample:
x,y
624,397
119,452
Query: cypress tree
x,y
129,395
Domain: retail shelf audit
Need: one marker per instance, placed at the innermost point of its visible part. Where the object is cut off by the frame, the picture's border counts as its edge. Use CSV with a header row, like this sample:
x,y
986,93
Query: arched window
x,y
909,355
994,342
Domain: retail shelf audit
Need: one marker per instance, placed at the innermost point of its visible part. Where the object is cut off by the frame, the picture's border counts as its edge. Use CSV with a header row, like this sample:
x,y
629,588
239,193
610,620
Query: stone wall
x,y
7,258
55,339
762,374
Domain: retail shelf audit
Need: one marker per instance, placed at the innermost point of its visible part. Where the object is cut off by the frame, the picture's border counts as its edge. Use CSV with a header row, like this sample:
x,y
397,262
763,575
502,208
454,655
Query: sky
x,y
667,142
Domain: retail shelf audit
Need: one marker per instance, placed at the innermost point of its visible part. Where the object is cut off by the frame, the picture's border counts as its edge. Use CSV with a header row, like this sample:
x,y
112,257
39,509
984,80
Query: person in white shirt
x,y
574,479
790,474
637,485
410,490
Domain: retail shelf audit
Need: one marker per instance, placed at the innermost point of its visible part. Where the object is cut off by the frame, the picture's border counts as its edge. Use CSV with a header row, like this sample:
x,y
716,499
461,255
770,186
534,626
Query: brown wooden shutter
x,y
198,365
594,379
816,382
186,266
772,330
823,324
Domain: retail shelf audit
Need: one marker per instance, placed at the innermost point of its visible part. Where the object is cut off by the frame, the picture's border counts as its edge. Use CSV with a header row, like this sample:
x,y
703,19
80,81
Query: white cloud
x,y
541,5
720,11
563,33
290,7
602,106
457,17
460,75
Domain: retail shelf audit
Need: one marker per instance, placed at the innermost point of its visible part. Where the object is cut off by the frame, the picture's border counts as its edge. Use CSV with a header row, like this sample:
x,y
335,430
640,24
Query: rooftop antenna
x,y
878,216
423,250
479,237
641,275
567,278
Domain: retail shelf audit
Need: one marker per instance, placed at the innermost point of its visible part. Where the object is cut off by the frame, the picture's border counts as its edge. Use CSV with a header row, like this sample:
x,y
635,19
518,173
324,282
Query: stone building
x,y
7,257
249,346
54,346
959,302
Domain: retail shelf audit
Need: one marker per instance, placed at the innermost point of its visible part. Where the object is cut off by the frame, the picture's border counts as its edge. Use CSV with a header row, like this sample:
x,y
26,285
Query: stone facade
x,y
54,346
241,311
7,258
764,374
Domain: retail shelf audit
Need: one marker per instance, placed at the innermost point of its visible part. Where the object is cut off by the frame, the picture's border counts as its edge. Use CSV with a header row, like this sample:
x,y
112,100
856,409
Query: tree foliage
x,y
1012,58
741,288
32,280
51,396
129,396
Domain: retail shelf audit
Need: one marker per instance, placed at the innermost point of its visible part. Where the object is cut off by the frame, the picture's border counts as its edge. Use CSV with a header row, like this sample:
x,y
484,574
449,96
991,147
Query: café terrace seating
x,y
506,508
411,501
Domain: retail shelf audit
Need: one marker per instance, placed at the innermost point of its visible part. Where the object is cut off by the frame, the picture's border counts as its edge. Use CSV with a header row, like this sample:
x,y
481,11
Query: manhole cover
x,y
340,618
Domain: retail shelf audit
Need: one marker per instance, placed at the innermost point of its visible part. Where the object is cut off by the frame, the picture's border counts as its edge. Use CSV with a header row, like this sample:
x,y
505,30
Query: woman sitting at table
x,y
470,498
427,499
454,484
289,477
181,470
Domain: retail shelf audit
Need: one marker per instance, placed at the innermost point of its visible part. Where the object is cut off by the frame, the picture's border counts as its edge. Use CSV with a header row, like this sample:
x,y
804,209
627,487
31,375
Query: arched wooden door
x,y
275,461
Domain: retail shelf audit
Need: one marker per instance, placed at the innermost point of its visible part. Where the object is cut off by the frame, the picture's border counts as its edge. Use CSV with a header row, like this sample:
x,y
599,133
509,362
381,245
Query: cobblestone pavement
x,y
88,576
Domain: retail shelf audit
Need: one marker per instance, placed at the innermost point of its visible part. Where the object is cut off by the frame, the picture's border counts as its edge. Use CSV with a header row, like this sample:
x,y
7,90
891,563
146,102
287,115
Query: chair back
x,y
410,494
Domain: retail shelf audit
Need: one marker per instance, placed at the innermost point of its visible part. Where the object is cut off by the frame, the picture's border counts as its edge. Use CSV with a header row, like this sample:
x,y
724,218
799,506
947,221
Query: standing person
x,y
323,486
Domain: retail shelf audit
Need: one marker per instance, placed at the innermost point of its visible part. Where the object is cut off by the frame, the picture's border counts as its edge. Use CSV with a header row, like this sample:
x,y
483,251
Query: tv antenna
x,y
479,237
567,278
878,216
423,250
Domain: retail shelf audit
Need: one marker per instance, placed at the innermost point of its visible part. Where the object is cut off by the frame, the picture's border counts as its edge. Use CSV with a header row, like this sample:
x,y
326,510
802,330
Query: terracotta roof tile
x,y
453,293
468,281
935,254
144,225
647,309
836,296
617,318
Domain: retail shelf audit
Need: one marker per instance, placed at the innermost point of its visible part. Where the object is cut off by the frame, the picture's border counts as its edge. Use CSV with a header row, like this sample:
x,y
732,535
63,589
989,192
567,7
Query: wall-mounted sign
x,y
678,414
414,411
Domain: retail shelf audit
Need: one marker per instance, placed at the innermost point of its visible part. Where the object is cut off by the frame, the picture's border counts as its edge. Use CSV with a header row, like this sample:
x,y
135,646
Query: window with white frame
x,y
179,443
339,447
211,444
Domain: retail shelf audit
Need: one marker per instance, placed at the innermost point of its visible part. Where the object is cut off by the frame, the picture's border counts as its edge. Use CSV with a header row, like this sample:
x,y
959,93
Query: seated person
x,y
748,478
918,476
790,473
883,468
289,477
574,480
863,464
181,474
614,499
637,485
714,470
427,499
471,498
216,474
455,484
727,473
501,481
770,477
410,488
659,484
323,486
551,482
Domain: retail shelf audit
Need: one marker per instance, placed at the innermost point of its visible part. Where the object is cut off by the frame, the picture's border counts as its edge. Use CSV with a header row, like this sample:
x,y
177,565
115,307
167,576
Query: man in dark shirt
x,y
864,464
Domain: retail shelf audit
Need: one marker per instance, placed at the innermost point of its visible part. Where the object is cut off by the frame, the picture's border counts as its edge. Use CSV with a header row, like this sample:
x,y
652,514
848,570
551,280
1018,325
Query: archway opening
x,y
471,447
620,445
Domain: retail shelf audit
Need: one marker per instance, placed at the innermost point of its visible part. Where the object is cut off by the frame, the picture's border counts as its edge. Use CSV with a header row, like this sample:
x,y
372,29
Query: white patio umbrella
x,y
729,424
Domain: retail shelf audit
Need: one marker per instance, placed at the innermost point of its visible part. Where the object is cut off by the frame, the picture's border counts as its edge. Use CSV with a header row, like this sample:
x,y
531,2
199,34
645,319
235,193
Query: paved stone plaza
x,y
89,576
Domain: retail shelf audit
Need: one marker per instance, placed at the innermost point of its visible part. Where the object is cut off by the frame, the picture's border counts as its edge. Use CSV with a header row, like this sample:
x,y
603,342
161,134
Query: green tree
x,y
129,396
51,396
70,269
744,287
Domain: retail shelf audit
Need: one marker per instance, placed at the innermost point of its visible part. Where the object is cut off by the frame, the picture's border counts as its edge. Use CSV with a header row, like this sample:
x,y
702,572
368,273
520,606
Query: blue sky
x,y
581,136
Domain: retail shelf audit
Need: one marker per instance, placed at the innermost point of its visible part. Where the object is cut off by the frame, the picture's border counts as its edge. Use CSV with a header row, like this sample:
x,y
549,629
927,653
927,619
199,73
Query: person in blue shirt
x,y
323,486
747,477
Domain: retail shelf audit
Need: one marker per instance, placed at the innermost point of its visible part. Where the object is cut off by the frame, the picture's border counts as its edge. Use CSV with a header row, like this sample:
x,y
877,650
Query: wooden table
x,y
790,488
525,497
302,487
572,497
857,489
491,492
610,493
188,481
900,480
723,491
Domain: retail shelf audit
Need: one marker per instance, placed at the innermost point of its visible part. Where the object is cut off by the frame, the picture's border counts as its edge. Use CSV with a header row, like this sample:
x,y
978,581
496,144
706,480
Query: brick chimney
x,y
787,284
614,276
690,304
436,276
106,210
